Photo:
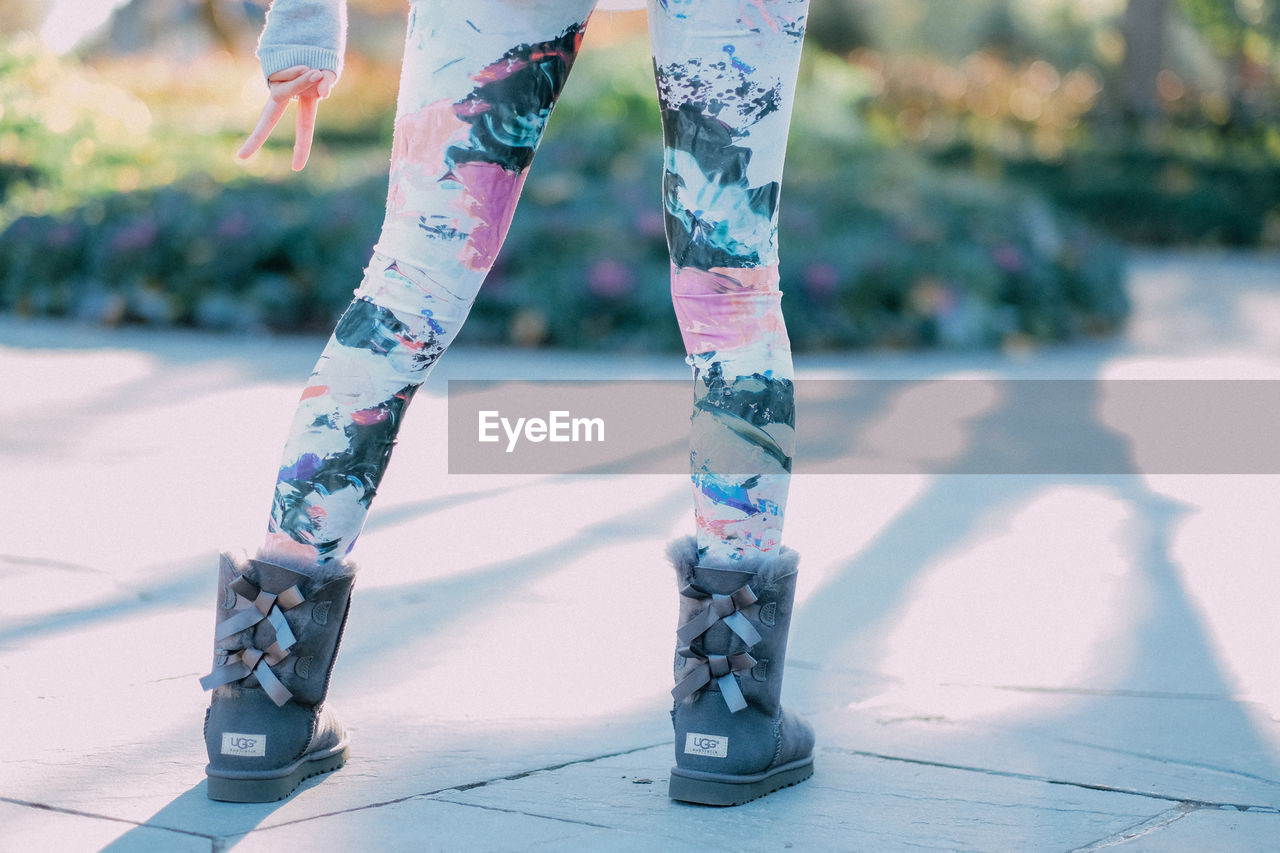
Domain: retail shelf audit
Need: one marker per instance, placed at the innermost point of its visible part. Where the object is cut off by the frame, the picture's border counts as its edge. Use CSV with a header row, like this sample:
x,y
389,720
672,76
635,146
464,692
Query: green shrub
x,y
251,254
67,133
901,256
880,248
1154,197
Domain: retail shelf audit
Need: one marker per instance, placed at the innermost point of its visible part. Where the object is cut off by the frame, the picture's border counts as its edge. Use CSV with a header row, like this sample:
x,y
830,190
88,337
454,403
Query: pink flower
x,y
650,224
821,280
610,279
234,225
139,235
61,236
1008,258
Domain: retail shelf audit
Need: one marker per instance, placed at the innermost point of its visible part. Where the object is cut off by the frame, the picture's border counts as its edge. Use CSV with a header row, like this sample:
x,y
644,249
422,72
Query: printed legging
x,y
476,90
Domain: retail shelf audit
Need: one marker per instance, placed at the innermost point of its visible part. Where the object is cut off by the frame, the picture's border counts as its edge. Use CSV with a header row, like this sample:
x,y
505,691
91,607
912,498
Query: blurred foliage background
x,y
961,173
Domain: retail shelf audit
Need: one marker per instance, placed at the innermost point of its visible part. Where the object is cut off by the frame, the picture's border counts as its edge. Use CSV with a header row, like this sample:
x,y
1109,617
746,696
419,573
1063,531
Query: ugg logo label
x,y
712,746
234,743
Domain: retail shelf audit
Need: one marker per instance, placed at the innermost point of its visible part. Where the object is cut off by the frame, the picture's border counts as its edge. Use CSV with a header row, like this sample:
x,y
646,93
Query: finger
x,y
325,86
305,129
271,114
294,88
286,74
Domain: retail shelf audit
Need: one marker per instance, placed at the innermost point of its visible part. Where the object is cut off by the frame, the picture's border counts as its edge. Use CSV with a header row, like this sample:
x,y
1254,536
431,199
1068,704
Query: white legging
x,y
475,93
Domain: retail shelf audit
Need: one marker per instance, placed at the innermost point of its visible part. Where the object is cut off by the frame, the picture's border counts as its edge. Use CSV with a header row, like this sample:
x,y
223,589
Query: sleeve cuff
x,y
286,56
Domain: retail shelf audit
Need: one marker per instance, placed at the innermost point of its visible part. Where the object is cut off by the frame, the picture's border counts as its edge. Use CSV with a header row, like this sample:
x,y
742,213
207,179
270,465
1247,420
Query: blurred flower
x,y
528,327
235,224
650,224
931,297
1009,258
821,280
610,279
61,236
135,235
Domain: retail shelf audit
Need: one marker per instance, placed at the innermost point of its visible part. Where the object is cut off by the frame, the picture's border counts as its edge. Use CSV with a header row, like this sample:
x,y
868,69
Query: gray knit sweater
x,y
314,33
304,32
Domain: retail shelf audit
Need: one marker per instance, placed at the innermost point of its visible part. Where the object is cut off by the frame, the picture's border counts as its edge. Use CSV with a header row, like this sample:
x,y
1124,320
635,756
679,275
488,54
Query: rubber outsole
x,y
269,790
716,789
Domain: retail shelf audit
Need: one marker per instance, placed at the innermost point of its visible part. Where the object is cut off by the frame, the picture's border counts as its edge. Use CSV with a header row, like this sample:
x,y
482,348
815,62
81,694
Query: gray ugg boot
x,y
734,742
275,642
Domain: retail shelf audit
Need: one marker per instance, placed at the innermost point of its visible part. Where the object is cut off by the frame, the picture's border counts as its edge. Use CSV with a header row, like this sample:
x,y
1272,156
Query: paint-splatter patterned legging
x,y
478,83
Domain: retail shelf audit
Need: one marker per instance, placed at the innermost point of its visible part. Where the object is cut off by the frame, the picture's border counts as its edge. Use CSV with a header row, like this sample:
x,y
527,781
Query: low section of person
x,y
476,91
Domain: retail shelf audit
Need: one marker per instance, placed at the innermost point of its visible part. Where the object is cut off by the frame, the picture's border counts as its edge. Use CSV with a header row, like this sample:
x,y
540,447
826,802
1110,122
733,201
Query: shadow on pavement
x,y
193,808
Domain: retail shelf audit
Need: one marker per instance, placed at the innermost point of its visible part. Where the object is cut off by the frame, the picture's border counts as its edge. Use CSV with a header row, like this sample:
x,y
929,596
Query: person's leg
x,y
478,84
726,74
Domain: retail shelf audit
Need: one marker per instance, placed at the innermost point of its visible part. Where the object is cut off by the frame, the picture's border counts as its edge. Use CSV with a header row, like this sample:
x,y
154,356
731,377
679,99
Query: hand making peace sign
x,y
308,86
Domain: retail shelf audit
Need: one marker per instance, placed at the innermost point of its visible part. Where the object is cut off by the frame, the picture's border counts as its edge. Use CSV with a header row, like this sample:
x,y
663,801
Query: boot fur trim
x,y
768,568
319,575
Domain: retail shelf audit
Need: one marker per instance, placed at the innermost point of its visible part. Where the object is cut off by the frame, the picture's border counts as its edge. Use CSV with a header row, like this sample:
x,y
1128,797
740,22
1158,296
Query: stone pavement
x,y
995,663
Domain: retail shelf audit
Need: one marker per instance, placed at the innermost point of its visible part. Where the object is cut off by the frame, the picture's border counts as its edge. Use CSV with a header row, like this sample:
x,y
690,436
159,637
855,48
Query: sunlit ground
x,y
1038,592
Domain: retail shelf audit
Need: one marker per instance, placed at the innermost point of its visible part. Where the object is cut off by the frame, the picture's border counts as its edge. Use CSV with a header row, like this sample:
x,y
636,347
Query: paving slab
x,y
25,827
1219,830
851,803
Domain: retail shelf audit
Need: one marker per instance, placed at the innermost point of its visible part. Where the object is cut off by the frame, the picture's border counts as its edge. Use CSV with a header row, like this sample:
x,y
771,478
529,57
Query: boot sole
x,y
258,789
723,789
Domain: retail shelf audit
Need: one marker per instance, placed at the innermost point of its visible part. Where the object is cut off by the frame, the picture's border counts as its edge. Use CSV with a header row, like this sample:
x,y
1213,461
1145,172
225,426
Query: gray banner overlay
x,y
879,426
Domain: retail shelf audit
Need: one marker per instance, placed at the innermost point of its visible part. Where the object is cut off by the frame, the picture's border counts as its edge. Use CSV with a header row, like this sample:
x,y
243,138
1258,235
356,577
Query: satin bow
x,y
726,608
253,605
719,667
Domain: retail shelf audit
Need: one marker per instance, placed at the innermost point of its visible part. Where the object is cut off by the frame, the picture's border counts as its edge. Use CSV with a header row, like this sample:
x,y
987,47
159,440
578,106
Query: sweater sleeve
x,y
304,32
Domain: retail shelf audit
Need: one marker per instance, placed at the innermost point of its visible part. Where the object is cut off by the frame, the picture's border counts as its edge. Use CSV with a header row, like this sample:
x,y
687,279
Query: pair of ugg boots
x,y
277,635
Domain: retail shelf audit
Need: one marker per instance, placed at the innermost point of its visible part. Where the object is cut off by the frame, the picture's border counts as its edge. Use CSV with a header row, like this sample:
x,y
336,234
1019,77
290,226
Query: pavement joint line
x,y
1105,691
1049,780
96,816
967,800
1155,823
426,795
1199,765
522,812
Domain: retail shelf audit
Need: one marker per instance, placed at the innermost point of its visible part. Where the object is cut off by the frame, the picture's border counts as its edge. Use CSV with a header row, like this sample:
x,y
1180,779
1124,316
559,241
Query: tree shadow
x,y
1162,699
224,824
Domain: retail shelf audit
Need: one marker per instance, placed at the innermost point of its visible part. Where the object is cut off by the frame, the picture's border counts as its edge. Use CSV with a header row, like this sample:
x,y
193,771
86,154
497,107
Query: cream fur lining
x,y
319,575
768,568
